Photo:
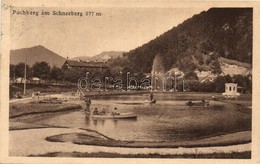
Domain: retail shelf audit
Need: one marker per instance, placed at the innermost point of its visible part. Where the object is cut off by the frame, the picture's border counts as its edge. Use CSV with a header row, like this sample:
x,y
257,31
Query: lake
x,y
168,120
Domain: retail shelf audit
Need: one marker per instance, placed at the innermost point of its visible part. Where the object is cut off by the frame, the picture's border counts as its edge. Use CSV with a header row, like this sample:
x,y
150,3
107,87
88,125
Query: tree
x,y
249,84
105,73
216,67
207,87
243,81
74,74
228,78
186,65
19,70
191,76
12,71
220,81
56,73
124,74
41,70
220,84
206,46
193,85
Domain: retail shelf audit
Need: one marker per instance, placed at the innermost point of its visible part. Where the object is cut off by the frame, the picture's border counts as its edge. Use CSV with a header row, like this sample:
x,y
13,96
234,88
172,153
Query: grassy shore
x,y
22,109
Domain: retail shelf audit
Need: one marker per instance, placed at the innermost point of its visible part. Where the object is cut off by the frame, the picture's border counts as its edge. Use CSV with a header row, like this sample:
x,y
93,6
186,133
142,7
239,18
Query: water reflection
x,y
106,123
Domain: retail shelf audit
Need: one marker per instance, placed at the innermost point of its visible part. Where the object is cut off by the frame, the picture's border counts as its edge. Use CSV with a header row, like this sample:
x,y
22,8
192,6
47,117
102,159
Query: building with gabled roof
x,y
84,64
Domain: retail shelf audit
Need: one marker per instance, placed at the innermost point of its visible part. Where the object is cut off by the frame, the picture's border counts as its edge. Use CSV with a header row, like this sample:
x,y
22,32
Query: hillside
x,y
85,58
36,54
198,42
234,62
233,67
104,56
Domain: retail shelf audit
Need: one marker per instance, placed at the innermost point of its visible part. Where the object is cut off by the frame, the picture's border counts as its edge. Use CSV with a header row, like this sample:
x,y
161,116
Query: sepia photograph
x,y
130,82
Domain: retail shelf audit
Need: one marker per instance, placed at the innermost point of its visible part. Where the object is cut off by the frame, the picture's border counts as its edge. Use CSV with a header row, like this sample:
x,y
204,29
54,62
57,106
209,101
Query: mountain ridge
x,y
35,54
103,56
198,42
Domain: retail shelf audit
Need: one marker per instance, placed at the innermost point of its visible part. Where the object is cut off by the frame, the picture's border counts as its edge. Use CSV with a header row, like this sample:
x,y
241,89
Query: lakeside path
x,y
23,100
29,99
32,142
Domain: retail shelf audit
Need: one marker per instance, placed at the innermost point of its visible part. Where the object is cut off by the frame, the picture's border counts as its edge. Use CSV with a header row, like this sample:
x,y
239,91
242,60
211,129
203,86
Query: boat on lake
x,y
150,101
115,116
201,103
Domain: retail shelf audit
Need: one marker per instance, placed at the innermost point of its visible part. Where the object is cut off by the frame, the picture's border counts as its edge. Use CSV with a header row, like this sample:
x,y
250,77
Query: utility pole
x,y
174,81
24,86
183,85
87,78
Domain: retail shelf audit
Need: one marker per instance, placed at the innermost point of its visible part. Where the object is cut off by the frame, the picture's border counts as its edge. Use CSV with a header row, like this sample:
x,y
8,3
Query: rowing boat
x,y
151,101
115,116
204,104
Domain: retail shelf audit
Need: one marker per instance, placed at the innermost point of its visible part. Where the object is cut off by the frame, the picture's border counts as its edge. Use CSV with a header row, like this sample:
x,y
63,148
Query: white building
x,y
231,90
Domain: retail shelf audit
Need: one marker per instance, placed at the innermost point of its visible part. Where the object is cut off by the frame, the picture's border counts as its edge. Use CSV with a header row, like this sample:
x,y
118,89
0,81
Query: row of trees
x,y
39,69
218,85
44,72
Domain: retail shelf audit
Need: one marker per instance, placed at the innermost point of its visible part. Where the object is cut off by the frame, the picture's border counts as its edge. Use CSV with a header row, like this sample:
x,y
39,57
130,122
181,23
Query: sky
x,y
117,29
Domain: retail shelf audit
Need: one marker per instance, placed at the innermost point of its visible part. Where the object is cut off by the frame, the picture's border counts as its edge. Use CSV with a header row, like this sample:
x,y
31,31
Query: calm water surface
x,y
163,121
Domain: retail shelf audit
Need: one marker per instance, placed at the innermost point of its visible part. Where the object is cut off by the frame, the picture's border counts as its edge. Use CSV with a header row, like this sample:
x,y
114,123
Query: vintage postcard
x,y
129,82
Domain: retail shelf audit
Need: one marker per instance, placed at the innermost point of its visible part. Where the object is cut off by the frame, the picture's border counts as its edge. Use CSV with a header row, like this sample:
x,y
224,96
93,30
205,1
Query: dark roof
x,y
91,64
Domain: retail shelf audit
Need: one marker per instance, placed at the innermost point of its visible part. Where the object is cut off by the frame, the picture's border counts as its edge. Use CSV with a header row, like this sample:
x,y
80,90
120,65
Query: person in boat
x,y
205,103
189,103
115,112
95,112
72,93
19,95
103,112
88,103
151,96
33,94
213,97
